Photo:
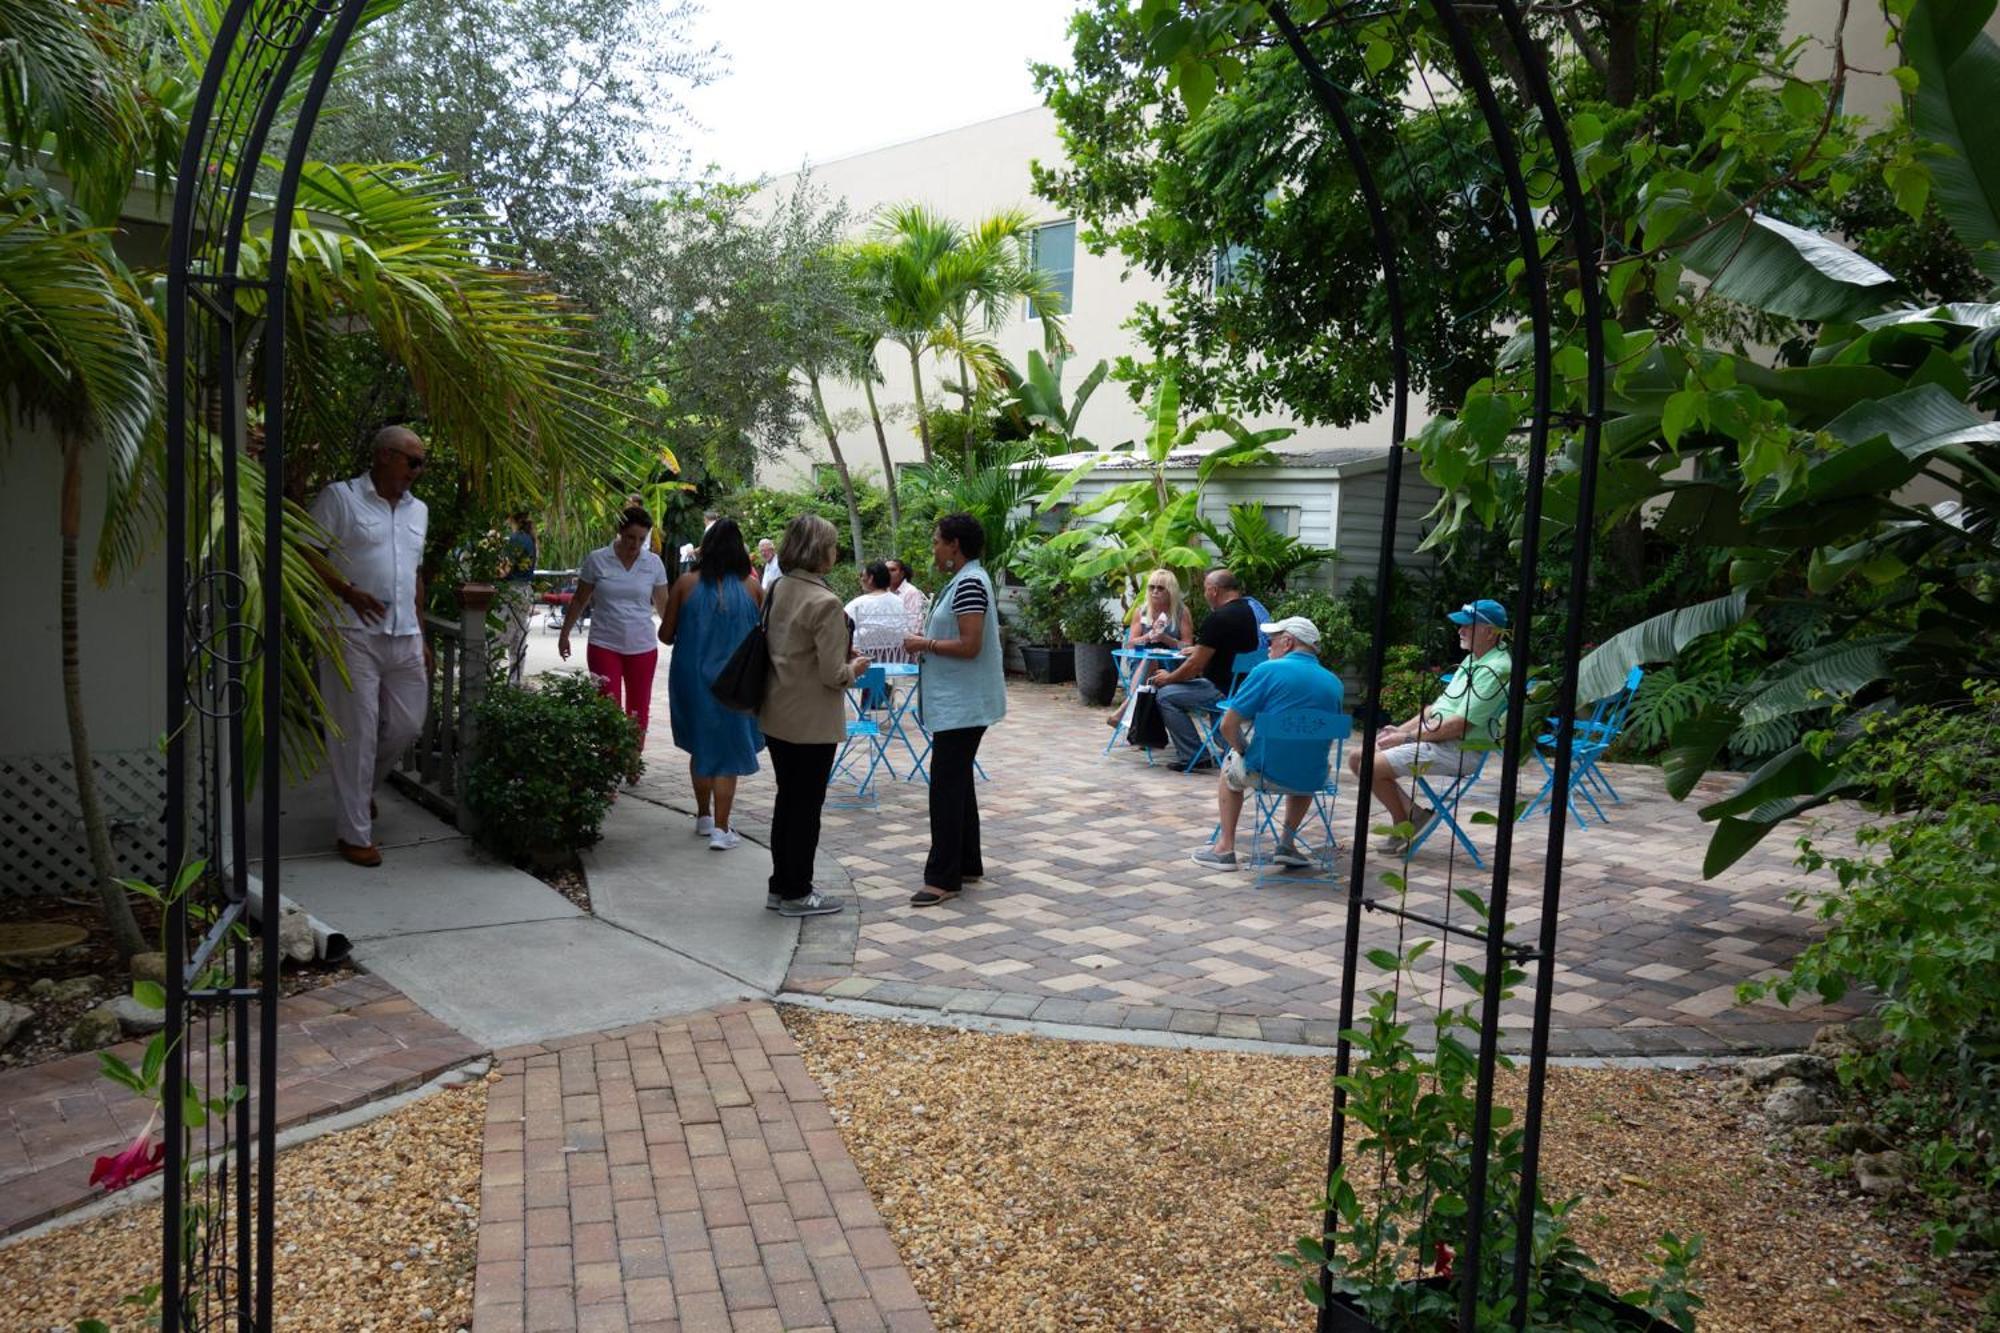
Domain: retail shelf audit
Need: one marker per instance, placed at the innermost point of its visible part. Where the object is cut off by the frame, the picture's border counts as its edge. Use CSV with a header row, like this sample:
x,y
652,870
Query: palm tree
x,y
864,331
83,356
943,289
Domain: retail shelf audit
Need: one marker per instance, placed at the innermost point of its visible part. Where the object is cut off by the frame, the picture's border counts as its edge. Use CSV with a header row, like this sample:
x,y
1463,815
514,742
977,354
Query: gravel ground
x,y
1035,1184
377,1231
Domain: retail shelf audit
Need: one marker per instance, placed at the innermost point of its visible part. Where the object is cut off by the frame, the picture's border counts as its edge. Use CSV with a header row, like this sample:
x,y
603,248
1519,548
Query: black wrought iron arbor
x,y
271,63
1490,49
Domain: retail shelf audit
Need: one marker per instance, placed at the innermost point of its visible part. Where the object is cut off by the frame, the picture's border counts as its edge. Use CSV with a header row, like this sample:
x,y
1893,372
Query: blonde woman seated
x,y
1160,622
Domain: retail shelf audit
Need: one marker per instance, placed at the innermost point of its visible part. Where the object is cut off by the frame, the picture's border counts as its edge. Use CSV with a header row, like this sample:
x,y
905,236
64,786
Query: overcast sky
x,y
823,79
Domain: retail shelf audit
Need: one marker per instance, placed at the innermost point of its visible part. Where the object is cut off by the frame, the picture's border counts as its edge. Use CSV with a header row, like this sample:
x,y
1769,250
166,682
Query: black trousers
x,y
802,771
954,810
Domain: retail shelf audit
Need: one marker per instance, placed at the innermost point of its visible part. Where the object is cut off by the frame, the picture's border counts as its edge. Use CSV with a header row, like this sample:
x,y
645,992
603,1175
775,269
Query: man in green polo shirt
x,y
1445,738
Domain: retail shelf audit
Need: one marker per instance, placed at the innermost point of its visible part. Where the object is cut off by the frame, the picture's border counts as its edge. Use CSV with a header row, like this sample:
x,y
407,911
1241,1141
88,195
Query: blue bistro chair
x,y
1594,737
1445,802
1303,730
867,740
1208,717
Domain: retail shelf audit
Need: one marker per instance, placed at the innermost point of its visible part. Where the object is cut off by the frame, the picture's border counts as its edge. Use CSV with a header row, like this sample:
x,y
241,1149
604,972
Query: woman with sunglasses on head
x,y
1160,621
623,585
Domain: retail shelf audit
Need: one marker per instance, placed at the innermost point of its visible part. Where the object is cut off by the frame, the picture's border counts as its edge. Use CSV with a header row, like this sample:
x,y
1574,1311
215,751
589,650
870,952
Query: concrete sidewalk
x,y
505,959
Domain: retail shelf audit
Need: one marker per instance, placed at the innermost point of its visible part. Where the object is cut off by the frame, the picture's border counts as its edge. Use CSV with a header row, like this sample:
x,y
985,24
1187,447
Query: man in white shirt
x,y
913,597
378,530
768,572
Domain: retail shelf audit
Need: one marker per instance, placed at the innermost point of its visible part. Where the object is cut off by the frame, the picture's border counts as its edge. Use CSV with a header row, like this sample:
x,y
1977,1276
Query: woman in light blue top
x,y
709,611
962,692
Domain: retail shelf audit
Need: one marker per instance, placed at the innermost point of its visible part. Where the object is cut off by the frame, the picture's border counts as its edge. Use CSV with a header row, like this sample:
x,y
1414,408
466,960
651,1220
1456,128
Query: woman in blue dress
x,y
709,610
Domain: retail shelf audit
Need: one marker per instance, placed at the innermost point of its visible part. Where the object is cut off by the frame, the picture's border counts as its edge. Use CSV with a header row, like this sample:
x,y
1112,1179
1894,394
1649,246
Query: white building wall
x,y
967,174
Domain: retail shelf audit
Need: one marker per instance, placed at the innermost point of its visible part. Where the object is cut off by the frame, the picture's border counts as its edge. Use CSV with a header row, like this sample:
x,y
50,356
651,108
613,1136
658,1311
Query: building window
x,y
1284,519
1234,267
1052,253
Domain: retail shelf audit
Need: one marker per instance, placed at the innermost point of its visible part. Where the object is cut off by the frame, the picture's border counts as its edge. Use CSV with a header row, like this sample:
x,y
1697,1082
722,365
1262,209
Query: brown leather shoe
x,y
371,855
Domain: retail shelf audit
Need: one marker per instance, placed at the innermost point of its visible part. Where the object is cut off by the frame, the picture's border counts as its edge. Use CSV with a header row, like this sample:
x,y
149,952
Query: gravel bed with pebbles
x,y
1042,1185
377,1231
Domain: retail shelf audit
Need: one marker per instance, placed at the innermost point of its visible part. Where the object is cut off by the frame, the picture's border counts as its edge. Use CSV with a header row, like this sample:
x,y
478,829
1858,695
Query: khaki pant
x,y
374,722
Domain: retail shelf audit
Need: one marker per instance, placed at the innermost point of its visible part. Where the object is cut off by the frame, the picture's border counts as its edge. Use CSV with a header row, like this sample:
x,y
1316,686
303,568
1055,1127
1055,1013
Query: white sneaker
x,y
722,840
703,826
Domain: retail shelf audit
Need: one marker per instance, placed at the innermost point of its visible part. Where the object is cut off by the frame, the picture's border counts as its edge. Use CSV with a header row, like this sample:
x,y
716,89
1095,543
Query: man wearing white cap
x,y
1290,678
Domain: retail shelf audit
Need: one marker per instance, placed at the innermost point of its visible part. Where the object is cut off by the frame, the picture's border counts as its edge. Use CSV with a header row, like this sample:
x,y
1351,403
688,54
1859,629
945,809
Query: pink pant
x,y
627,678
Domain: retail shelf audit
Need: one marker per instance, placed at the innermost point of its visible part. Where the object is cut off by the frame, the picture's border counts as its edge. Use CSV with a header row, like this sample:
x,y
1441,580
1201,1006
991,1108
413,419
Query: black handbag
x,y
1147,727
741,684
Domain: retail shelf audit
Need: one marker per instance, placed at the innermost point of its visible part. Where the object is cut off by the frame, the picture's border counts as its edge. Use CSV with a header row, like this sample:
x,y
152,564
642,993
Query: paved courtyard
x,y
1093,914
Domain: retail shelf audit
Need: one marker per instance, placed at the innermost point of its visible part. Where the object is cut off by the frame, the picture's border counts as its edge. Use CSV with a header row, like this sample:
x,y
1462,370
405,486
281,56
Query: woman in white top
x,y
881,621
624,585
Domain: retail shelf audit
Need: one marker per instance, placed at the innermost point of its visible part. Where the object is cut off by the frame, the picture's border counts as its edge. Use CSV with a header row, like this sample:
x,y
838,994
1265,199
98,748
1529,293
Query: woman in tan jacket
x,y
804,717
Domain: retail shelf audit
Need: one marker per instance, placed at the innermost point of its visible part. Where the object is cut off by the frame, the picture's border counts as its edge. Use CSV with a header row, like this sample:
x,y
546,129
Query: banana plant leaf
x,y
1659,639
1773,266
1958,87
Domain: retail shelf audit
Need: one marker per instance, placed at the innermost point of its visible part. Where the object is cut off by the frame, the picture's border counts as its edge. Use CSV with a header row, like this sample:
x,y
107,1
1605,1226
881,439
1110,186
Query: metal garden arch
x,y
225,629
271,66
1483,39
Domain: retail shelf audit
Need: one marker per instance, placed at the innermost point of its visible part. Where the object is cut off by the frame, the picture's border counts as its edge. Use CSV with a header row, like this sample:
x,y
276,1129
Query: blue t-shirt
x,y
1296,680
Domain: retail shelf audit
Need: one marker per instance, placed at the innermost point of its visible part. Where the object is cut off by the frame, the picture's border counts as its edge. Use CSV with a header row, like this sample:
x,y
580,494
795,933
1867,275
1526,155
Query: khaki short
x,y
1427,757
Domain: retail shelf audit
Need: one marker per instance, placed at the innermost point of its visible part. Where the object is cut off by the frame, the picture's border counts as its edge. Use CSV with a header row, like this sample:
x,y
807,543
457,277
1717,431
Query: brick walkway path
x,y
340,1046
1092,913
684,1175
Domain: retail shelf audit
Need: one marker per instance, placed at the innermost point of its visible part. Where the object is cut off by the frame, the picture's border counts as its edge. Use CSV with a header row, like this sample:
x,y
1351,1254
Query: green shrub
x,y
845,580
1916,921
1083,617
1343,647
547,763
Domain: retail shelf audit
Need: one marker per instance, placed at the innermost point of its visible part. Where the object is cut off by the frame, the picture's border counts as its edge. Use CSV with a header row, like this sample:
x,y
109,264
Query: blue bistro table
x,y
1129,661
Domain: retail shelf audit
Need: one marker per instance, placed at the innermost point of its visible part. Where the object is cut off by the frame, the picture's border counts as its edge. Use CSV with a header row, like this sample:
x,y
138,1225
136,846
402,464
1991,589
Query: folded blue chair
x,y
1593,738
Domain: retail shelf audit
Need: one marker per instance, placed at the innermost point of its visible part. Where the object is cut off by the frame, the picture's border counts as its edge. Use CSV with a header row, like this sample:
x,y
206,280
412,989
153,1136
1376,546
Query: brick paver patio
x,y
1092,913
684,1175
340,1046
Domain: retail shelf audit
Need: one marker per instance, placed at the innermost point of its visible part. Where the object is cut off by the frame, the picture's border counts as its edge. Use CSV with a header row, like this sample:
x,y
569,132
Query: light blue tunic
x,y
713,621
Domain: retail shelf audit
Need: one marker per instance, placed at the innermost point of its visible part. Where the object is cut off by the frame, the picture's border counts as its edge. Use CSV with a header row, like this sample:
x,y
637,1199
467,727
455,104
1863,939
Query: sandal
x,y
931,897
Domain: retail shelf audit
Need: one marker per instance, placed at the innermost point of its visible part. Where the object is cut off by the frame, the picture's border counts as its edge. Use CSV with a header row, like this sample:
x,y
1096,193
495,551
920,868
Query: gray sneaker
x,y
1289,853
813,904
772,902
1213,859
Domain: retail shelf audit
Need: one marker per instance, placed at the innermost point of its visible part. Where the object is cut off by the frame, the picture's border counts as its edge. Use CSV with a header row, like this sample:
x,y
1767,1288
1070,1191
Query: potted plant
x,y
1390,1258
1048,656
1092,634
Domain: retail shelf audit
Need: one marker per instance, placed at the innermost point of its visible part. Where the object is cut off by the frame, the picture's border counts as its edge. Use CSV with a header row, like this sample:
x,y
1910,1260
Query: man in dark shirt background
x,y
1204,675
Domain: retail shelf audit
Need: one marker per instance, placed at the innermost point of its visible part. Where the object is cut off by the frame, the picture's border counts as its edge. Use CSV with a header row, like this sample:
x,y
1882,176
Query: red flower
x,y
1444,1260
140,1159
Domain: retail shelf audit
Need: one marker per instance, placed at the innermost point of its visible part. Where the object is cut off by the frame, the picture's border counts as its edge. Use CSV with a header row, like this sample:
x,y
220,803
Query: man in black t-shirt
x,y
1204,675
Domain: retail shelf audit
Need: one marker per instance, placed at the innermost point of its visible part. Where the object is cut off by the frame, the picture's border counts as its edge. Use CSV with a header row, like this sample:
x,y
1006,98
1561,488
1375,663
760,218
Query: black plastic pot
x,y
1343,1315
1049,666
1096,674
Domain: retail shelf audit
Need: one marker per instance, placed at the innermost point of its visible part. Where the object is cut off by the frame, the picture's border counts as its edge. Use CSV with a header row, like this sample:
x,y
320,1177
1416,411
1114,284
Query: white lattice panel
x,y
42,849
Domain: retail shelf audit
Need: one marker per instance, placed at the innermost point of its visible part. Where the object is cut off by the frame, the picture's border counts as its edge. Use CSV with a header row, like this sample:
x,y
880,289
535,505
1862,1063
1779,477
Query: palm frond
x,y
63,84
